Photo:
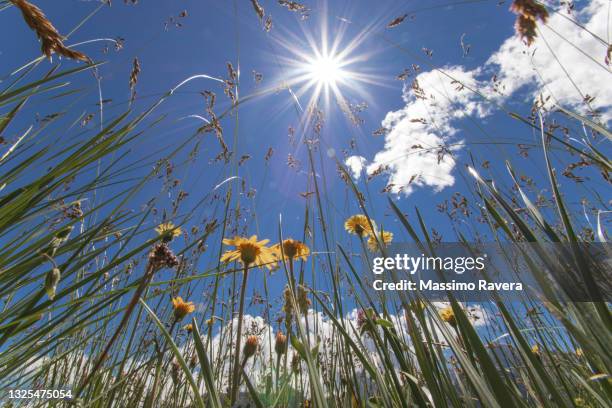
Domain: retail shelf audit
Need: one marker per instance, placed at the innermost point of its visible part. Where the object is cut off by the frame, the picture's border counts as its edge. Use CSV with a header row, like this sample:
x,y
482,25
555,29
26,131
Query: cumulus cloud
x,y
322,331
565,66
355,165
562,51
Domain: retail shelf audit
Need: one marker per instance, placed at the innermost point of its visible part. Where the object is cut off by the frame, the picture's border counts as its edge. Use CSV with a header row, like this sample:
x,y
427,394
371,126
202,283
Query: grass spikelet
x,y
528,13
134,79
50,38
258,9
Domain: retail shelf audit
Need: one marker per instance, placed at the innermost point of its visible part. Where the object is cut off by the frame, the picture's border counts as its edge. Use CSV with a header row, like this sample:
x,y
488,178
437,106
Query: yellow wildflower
x,y
181,308
250,251
448,315
292,248
386,238
168,230
358,225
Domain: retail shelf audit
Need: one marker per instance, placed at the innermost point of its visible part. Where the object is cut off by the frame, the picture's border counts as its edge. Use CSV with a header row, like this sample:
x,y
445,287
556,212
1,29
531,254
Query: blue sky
x,y
215,32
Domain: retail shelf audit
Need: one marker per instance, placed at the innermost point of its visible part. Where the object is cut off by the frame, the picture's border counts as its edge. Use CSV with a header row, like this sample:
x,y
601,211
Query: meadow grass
x,y
97,298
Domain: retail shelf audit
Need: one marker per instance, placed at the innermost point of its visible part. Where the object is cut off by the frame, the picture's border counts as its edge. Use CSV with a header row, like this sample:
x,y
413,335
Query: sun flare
x,y
325,70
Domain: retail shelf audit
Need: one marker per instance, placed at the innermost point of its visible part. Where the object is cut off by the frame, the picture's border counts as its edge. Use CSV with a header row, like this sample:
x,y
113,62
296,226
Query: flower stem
x,y
236,374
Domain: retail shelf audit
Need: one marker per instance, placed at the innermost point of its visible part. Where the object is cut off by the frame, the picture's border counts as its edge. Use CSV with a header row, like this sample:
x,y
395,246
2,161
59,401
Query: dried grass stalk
x,y
528,12
258,9
51,39
134,79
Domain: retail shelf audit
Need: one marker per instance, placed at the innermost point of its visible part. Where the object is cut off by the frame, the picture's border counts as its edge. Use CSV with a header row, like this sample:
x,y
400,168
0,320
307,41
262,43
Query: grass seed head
x,y
51,40
161,256
302,299
51,281
528,12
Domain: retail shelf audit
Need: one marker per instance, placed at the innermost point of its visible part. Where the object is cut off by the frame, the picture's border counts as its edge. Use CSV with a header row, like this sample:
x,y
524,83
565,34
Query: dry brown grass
x,y
51,40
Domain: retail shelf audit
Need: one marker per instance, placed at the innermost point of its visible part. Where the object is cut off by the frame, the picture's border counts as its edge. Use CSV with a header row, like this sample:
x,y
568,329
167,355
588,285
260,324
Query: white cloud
x,y
577,55
355,165
423,133
320,330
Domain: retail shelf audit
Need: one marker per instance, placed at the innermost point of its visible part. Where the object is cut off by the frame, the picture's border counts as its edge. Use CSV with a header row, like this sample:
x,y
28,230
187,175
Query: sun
x,y
325,70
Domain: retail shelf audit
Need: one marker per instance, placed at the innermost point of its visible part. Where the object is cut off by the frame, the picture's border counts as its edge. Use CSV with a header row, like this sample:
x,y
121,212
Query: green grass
x,y
401,355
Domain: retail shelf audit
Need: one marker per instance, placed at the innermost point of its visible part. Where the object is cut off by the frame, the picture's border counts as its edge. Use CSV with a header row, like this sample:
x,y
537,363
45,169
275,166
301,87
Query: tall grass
x,y
86,294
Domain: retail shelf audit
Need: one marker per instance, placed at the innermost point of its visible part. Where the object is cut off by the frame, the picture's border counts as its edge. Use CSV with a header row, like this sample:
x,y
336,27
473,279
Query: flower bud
x,y
250,346
302,299
193,361
295,363
281,344
51,281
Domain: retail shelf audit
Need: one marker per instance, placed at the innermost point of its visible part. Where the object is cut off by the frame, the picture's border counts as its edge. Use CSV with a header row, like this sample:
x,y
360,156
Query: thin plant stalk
x,y
236,366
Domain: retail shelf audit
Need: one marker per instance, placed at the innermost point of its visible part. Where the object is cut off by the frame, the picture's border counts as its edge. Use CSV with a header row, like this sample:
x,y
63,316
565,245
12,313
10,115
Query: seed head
x,y
295,363
51,281
51,40
161,256
528,12
302,299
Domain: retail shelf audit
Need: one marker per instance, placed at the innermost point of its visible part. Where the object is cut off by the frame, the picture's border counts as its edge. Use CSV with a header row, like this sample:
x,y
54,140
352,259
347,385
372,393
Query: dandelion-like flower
x,y
358,225
386,237
292,248
579,352
181,308
448,315
250,252
188,328
168,231
535,349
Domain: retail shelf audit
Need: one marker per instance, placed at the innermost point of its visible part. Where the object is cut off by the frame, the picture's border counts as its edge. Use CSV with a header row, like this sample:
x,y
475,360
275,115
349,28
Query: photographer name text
x,y
457,265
